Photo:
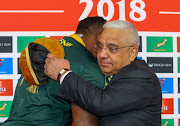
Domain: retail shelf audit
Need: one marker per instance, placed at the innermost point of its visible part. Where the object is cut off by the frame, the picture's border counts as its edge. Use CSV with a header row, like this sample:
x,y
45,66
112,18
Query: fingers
x,y
50,55
45,67
47,60
53,65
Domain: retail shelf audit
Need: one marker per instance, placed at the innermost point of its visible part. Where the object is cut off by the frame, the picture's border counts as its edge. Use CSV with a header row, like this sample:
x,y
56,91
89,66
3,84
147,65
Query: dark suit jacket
x,y
132,98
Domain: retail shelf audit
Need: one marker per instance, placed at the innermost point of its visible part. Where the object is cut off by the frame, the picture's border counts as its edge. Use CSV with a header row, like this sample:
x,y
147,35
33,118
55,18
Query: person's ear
x,y
133,53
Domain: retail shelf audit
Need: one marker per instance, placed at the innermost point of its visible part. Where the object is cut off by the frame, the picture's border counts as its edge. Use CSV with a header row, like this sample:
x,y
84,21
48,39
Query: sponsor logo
x,y
22,41
5,44
57,37
6,87
159,44
161,64
64,43
5,107
178,44
6,66
178,64
166,85
167,106
167,122
1,62
140,46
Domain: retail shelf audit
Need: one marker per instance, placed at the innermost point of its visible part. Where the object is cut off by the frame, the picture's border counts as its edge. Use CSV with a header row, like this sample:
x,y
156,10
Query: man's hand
x,y
53,65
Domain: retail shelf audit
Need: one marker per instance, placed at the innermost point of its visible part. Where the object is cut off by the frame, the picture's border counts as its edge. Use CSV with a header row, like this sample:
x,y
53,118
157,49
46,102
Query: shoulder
x,y
67,41
91,68
91,72
80,58
137,69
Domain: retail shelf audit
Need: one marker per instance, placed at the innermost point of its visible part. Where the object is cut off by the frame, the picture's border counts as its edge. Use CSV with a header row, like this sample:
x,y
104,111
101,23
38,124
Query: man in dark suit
x,y
133,95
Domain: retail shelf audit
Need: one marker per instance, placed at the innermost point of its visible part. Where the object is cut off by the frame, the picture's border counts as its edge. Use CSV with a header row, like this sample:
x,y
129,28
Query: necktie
x,y
108,78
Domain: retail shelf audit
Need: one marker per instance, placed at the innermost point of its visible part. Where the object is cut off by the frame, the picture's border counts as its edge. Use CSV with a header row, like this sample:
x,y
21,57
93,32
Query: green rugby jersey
x,y
45,108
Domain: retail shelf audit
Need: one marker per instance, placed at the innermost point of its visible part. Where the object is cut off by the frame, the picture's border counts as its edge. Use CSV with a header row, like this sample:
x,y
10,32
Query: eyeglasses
x,y
99,48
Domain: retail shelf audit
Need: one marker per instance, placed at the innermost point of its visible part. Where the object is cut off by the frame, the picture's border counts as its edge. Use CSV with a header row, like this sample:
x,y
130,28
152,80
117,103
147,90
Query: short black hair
x,y
91,24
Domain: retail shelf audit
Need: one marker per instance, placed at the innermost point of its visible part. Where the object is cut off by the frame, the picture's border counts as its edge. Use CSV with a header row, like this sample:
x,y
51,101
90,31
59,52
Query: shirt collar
x,y
111,76
77,38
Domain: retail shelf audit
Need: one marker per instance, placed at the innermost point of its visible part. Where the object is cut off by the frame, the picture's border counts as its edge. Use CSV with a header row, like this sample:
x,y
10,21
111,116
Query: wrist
x,y
61,73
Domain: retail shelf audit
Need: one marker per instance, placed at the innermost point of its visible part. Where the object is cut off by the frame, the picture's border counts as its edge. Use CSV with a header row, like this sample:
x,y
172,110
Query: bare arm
x,y
82,117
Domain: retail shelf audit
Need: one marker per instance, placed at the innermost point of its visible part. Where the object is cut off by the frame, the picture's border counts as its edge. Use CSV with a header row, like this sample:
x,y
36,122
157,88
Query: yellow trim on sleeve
x,y
30,67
